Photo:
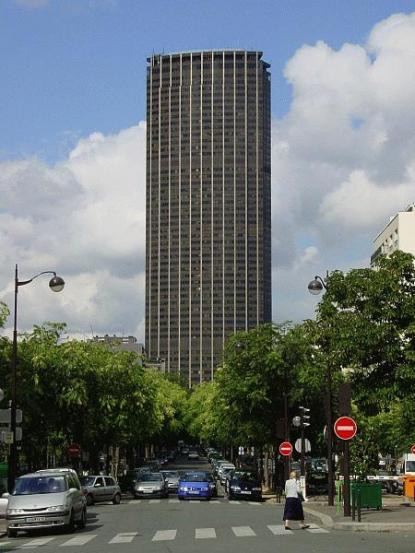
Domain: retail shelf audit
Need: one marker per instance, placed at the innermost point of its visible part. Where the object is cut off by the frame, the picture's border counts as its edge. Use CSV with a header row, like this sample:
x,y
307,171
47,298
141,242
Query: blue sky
x,y
71,67
72,140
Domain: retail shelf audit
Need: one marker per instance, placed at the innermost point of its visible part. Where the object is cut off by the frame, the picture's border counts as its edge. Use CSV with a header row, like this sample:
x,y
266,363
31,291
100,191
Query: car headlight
x,y
211,485
236,488
139,488
15,511
183,488
56,508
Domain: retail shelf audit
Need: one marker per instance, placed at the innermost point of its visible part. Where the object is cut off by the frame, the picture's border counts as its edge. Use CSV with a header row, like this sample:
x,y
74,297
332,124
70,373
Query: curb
x,y
328,522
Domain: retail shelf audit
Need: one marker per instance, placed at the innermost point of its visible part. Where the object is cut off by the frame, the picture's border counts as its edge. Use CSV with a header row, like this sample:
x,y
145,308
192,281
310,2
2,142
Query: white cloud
x,y
343,157
85,219
343,162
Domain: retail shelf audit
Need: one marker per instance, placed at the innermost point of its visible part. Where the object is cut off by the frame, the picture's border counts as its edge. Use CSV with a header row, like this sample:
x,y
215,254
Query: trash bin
x,y
409,487
369,494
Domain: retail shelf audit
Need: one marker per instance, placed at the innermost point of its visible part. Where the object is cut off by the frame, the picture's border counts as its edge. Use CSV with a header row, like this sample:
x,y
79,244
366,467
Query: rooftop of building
x,y
409,208
213,50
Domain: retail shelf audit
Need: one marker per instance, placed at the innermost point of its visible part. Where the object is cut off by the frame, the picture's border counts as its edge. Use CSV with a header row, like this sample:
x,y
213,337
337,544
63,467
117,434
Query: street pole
x,y
330,472
12,463
346,475
302,451
56,284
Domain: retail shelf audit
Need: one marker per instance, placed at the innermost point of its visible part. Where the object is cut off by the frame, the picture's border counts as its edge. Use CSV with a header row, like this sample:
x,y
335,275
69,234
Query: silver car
x,y
150,484
172,477
46,499
100,488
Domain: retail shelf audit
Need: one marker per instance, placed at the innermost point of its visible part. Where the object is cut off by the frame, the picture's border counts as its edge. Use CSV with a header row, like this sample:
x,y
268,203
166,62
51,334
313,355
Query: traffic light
x,y
305,418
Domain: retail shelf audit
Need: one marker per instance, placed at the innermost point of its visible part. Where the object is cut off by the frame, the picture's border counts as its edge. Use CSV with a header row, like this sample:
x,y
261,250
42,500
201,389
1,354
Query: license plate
x,y
148,491
246,492
35,519
193,491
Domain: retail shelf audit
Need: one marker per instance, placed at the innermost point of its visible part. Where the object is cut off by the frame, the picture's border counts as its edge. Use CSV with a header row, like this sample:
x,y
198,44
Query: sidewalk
x,y
397,515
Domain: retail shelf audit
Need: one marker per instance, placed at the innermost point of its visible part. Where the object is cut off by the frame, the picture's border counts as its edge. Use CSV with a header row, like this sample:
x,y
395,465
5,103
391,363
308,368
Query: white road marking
x,y
79,540
124,537
204,533
174,501
35,543
164,535
256,503
278,529
243,531
133,501
154,501
231,502
317,530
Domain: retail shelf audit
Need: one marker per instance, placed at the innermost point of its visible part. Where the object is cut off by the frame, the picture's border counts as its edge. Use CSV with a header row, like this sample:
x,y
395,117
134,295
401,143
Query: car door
x,y
109,488
76,496
99,489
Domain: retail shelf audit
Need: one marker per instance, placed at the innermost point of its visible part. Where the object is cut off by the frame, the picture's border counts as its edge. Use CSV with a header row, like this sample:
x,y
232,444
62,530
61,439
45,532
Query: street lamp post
x,y
56,284
315,287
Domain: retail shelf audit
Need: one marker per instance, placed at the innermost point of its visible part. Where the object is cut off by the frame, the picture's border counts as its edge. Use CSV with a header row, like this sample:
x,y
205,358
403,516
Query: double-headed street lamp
x,y
315,287
56,284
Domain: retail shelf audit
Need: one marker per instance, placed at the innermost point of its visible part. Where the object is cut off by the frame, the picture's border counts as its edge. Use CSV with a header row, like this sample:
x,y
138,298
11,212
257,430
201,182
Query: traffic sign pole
x,y
345,429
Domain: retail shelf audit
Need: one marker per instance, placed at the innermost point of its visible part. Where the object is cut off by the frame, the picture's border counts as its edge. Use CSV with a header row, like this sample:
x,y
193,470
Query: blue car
x,y
194,485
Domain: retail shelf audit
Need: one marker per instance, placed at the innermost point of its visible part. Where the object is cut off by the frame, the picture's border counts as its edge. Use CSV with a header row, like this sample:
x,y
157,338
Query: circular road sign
x,y
345,428
74,450
285,449
413,448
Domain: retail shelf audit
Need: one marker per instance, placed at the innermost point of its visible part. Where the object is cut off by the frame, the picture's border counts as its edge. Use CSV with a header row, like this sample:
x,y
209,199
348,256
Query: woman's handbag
x,y
300,496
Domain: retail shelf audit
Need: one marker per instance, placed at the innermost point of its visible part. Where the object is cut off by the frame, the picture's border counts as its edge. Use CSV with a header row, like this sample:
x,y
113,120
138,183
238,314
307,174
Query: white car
x,y
193,455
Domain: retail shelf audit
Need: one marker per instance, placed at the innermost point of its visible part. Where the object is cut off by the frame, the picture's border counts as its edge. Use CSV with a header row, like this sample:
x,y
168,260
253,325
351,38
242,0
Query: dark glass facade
x,y
208,205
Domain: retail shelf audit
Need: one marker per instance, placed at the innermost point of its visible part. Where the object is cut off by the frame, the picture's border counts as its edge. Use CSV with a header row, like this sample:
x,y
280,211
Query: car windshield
x,y
194,477
170,474
245,476
87,480
40,484
150,477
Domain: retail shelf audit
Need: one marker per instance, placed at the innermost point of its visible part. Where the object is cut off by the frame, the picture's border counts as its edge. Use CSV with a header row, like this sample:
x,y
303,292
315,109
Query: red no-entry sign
x,y
285,449
345,428
74,450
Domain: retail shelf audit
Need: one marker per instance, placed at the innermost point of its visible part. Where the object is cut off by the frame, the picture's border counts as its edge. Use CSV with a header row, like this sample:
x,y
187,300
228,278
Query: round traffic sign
x,y
285,449
345,428
74,450
413,448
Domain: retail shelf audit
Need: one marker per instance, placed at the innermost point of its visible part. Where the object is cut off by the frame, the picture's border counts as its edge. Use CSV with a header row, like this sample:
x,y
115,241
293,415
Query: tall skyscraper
x,y
208,243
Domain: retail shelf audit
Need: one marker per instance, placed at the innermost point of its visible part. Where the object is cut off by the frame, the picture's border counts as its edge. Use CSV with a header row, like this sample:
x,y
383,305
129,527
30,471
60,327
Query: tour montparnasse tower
x,y
208,205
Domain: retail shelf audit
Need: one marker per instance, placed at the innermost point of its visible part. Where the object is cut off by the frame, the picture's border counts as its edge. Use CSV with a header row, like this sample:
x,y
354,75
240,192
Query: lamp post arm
x,y
23,282
323,282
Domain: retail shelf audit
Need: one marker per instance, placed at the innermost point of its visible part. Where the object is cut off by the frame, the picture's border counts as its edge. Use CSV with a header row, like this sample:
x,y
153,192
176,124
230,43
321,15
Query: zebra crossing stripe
x,y
164,535
36,543
133,501
79,540
243,531
124,537
154,501
204,533
256,503
278,529
232,502
174,501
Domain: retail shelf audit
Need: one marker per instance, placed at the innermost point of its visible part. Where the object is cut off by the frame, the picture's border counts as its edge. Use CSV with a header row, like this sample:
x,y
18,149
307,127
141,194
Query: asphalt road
x,y
168,525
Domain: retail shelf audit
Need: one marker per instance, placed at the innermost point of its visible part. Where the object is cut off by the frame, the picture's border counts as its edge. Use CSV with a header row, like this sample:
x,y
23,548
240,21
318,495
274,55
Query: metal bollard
x,y
359,507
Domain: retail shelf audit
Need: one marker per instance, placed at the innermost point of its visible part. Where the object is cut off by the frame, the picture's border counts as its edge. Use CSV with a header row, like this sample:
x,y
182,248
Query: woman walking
x,y
293,509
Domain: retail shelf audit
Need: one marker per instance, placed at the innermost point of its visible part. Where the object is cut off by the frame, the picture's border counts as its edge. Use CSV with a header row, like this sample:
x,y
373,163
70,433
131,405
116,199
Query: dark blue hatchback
x,y
194,485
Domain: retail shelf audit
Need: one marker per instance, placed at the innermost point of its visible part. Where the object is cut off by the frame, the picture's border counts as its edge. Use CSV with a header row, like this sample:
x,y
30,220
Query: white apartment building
x,y
399,234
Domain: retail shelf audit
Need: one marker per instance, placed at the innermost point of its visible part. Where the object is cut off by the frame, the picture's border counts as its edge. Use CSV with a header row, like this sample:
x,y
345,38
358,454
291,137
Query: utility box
x,y
367,494
409,487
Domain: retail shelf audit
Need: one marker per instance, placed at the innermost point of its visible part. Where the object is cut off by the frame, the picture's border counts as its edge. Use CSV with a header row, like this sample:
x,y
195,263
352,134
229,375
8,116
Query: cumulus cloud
x,y
343,161
84,218
343,156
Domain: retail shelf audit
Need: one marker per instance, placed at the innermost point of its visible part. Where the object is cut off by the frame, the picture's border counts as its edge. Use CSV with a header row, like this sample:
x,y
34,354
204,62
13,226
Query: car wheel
x,y
89,500
70,527
117,499
82,522
11,533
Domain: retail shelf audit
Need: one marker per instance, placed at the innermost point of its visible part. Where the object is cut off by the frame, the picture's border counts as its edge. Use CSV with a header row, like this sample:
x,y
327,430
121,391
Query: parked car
x,y
46,499
245,485
3,506
172,477
100,488
195,484
193,456
222,467
127,481
150,484
224,473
